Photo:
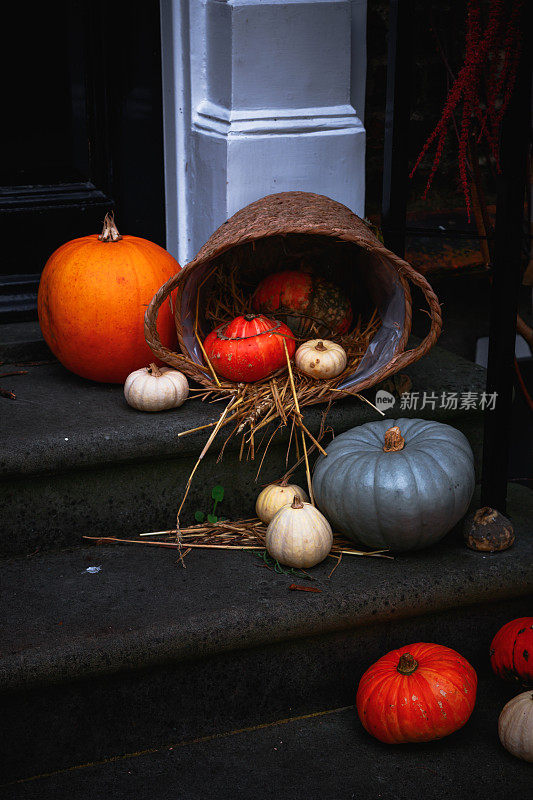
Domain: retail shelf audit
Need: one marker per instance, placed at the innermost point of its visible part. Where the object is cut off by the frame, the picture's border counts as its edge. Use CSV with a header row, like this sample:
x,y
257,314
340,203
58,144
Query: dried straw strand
x,y
234,401
298,418
246,534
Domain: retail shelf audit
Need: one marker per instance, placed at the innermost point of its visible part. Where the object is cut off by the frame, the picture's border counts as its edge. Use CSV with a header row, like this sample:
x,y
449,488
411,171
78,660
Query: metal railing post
x,y
508,250
397,115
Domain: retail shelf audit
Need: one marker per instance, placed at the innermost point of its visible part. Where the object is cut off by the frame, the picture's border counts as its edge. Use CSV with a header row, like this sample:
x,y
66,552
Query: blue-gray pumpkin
x,y
401,484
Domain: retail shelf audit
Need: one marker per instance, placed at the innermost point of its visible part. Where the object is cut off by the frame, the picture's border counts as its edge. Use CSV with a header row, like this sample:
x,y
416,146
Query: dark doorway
x,y
82,133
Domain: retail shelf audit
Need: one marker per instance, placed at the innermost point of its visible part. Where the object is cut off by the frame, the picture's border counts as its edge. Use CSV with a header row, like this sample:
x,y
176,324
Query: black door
x,y
81,132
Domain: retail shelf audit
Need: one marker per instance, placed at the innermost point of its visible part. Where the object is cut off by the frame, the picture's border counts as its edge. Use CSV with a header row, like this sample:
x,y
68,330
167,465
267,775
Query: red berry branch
x,y
483,85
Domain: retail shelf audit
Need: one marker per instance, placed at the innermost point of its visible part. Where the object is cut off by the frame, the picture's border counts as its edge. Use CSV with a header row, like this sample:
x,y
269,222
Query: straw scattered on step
x,y
247,534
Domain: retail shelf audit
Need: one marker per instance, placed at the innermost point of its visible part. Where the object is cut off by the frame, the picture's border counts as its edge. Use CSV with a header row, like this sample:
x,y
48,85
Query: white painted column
x,y
259,97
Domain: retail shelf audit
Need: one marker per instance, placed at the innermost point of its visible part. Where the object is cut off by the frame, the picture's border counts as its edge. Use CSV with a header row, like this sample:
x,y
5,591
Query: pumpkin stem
x,y
109,231
394,440
407,664
320,346
297,503
485,515
154,370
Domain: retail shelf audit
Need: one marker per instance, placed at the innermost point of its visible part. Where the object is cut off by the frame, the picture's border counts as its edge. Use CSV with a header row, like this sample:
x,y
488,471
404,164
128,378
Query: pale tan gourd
x,y
515,726
299,535
320,358
156,388
275,496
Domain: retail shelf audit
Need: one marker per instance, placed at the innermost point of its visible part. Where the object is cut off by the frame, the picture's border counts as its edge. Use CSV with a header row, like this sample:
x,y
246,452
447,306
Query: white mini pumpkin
x,y
156,388
299,535
320,358
515,726
275,496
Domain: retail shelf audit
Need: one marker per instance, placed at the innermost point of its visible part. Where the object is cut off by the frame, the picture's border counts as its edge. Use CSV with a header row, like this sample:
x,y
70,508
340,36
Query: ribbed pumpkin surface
x,y
92,299
402,500
511,651
249,348
433,701
298,299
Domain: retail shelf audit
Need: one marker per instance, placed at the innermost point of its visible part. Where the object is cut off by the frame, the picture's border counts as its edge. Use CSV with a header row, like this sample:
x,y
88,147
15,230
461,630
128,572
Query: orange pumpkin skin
x,y
432,701
249,348
511,651
301,301
92,300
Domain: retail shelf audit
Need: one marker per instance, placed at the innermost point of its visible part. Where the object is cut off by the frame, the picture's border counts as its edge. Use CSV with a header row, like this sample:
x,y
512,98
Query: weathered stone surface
x,y
77,459
60,421
23,341
327,755
143,607
143,653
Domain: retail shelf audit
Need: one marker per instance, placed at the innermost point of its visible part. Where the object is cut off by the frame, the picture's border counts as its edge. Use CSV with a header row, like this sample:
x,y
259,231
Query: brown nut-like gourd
x,y
488,531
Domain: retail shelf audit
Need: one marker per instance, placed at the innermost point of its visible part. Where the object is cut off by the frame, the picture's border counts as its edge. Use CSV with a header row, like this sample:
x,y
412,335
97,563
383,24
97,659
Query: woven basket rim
x,y
274,216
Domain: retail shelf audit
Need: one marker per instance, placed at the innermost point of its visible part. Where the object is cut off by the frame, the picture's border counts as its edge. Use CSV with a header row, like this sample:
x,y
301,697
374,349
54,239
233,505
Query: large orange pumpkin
x,y
92,298
417,693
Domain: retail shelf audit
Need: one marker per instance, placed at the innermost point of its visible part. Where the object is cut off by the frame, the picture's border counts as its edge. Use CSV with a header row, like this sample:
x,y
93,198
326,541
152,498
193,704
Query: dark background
x,y
83,134
445,20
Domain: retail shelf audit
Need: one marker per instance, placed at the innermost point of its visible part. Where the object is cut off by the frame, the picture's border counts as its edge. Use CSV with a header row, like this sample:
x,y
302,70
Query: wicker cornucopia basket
x,y
304,231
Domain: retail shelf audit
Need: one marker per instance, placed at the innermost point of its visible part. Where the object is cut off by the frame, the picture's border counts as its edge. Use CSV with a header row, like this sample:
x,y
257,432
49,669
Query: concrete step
x,y
143,652
325,755
76,459
23,341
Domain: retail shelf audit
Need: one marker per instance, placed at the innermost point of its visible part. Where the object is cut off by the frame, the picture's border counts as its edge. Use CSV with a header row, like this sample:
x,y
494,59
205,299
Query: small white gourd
x,y
275,496
515,726
321,359
299,535
156,388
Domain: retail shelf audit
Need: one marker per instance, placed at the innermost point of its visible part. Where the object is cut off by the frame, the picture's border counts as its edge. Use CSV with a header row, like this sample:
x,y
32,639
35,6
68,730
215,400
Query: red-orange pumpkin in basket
x,y
93,294
249,348
417,693
306,303
511,651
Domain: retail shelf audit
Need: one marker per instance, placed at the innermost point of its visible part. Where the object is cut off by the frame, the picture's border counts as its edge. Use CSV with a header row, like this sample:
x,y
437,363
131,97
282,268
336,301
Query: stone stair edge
x,y
22,341
111,432
57,667
318,754
115,627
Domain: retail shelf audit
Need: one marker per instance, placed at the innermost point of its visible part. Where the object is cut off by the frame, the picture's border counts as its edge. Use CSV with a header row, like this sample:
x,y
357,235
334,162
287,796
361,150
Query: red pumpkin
x,y
511,651
92,299
417,693
249,348
306,303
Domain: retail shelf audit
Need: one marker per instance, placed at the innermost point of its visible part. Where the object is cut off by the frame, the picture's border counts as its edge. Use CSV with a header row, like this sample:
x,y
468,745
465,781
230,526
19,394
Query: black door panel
x,y
82,132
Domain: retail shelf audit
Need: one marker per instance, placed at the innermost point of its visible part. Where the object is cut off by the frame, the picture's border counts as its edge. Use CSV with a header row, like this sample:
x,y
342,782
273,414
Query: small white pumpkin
x,y
320,358
515,726
156,388
275,496
299,535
